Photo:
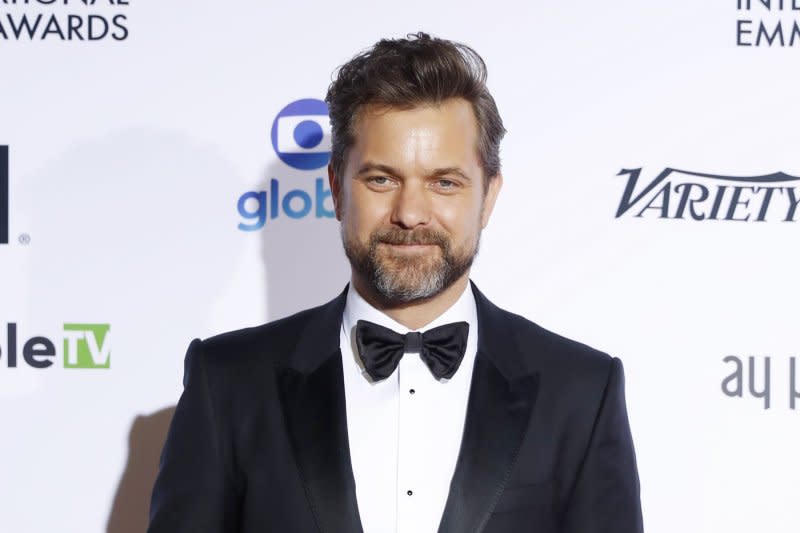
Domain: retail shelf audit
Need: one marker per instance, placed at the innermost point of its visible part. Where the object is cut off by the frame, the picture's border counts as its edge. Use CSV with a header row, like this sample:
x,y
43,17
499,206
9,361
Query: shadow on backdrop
x,y
304,266
129,513
126,240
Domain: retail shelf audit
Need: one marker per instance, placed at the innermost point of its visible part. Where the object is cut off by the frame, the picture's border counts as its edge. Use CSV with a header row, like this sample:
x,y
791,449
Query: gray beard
x,y
409,279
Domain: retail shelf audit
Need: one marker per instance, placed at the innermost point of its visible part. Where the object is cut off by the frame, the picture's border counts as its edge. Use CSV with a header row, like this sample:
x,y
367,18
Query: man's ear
x,y
492,190
335,185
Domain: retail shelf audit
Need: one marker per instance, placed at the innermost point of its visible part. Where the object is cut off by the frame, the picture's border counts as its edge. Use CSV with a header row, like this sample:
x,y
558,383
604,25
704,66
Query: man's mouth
x,y
411,249
409,244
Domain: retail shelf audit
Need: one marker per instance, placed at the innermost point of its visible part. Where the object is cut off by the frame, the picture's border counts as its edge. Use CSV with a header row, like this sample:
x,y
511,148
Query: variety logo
x,y
64,20
4,211
84,346
680,194
301,139
767,23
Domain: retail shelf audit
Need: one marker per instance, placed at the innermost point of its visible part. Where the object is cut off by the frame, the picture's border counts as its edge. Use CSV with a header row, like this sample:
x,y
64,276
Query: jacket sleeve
x,y
193,491
605,497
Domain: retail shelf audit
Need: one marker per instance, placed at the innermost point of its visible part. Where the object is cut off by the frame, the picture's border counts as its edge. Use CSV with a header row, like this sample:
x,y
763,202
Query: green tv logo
x,y
84,346
87,346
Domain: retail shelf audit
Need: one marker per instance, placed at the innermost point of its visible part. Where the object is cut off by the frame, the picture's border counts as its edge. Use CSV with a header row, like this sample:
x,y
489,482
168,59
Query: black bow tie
x,y
381,349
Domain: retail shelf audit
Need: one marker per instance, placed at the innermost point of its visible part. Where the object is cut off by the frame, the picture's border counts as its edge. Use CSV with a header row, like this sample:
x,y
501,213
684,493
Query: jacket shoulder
x,y
544,348
270,343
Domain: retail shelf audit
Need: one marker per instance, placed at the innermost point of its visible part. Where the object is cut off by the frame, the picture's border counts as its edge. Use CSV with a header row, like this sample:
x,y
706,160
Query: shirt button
x,y
411,391
410,492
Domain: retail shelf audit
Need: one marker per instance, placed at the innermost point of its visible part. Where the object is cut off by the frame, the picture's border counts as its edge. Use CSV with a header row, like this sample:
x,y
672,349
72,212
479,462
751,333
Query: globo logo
x,y
301,134
301,139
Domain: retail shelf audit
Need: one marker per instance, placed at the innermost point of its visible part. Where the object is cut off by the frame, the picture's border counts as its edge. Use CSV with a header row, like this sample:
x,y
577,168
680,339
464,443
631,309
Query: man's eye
x,y
378,180
446,184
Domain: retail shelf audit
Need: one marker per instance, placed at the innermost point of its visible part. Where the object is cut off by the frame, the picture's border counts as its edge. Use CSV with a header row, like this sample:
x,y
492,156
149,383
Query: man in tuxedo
x,y
409,403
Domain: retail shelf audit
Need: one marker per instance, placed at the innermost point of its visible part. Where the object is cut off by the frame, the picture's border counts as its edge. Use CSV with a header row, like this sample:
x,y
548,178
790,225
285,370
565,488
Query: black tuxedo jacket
x,y
259,442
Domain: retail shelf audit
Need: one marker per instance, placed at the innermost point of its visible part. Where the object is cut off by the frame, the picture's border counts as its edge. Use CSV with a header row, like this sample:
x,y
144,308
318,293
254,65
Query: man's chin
x,y
406,294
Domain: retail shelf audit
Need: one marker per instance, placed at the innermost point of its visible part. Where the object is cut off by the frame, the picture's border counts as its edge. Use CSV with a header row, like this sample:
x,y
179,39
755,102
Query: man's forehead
x,y
445,130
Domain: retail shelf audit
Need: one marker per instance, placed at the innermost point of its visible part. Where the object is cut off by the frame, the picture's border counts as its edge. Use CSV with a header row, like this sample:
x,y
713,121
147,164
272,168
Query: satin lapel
x,y
502,395
313,403
496,422
314,408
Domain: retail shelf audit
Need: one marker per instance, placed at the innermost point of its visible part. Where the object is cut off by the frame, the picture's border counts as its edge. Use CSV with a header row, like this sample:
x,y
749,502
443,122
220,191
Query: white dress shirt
x,y
404,431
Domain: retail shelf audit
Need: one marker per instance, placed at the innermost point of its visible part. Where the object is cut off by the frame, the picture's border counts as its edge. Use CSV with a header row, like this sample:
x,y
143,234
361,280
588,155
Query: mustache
x,y
399,236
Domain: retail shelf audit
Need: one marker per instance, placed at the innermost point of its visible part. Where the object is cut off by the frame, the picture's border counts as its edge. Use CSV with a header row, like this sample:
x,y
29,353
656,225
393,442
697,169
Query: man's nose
x,y
411,206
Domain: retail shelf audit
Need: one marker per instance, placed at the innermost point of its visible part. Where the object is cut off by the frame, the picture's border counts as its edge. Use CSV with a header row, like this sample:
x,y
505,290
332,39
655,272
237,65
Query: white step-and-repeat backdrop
x,y
651,209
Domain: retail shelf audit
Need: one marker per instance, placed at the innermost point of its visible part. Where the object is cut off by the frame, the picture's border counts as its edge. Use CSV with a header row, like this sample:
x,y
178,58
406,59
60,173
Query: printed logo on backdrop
x,y
301,139
64,20
301,134
5,203
5,213
763,379
768,23
696,196
84,346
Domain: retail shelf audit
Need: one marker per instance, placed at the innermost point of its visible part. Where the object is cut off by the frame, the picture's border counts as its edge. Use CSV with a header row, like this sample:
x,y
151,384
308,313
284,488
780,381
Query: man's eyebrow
x,y
370,166
444,171
449,171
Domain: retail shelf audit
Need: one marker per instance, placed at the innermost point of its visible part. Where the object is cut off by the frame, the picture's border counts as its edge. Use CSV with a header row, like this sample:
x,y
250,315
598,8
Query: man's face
x,y
411,199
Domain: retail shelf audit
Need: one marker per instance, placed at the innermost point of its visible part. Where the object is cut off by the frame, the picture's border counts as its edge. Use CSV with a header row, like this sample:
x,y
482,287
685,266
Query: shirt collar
x,y
357,308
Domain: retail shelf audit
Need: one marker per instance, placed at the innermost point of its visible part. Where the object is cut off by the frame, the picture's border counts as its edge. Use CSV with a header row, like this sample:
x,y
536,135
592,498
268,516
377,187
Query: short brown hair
x,y
406,73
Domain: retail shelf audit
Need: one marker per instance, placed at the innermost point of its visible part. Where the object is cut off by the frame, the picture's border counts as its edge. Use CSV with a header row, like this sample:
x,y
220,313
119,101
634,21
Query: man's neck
x,y
416,314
